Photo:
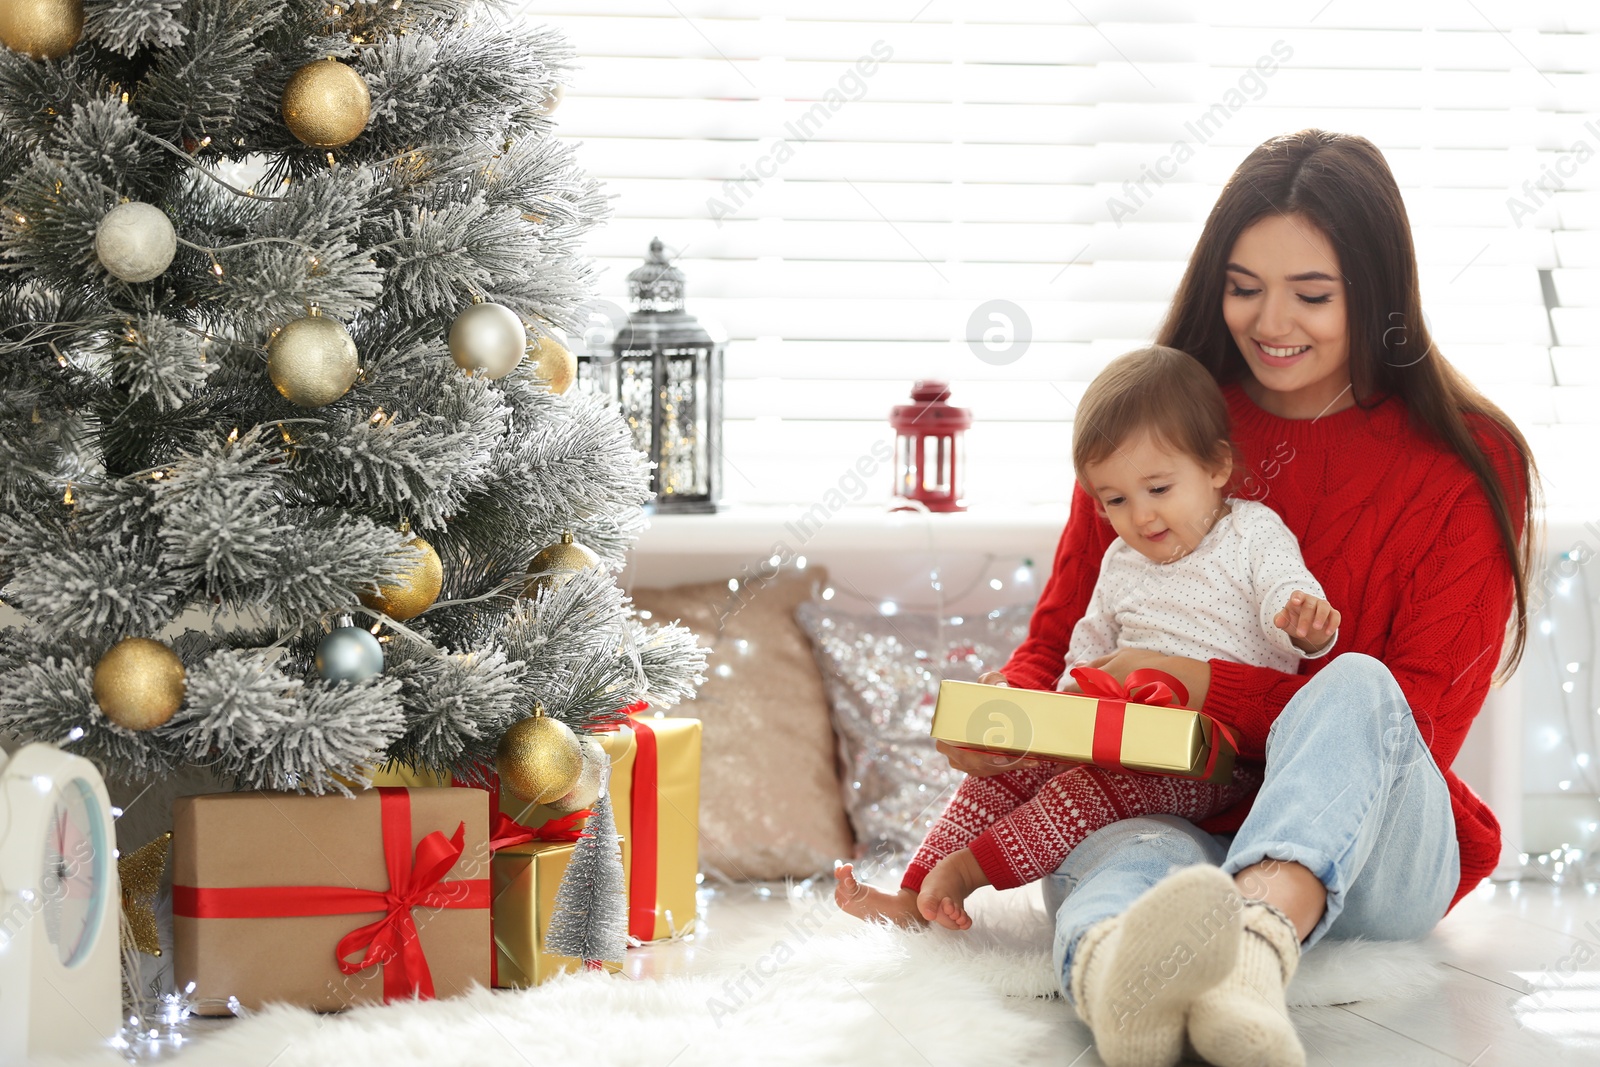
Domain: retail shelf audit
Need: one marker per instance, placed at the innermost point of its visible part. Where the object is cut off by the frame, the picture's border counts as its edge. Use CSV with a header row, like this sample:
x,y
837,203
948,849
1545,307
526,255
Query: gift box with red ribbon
x,y
655,791
326,902
528,866
526,878
1140,725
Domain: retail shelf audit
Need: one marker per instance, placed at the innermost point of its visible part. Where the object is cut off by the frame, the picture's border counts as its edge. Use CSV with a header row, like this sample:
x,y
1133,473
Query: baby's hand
x,y
1309,621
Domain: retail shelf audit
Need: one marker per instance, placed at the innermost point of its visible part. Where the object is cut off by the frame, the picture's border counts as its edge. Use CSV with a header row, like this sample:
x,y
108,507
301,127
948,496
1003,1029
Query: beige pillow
x,y
769,794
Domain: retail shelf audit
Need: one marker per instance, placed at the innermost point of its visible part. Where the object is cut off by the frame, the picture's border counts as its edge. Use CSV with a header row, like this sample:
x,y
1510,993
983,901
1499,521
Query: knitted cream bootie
x,y
1135,975
1243,1021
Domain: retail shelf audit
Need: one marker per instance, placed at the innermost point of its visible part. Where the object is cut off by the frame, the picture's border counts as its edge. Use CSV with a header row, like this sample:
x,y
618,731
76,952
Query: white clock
x,y
60,908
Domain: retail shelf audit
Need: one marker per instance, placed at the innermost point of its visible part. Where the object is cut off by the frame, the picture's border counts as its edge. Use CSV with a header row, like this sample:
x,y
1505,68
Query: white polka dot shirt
x,y
1217,602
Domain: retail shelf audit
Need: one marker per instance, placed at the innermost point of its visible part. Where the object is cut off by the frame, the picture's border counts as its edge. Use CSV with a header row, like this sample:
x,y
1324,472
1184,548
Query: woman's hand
x,y
1193,673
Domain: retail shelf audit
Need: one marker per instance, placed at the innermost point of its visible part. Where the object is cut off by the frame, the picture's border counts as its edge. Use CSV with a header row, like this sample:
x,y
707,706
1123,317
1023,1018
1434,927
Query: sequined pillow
x,y
769,793
882,673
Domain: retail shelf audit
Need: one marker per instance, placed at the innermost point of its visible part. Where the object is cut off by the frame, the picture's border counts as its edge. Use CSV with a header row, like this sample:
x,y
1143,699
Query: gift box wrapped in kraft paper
x,y
655,793
1141,726
324,902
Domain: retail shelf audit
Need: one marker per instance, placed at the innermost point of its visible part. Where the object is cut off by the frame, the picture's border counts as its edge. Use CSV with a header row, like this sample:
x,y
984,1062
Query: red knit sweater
x,y
1400,534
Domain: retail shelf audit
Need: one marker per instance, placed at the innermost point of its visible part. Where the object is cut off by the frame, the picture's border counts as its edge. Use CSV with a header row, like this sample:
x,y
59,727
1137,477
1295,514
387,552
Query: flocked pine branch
x,y
126,26
671,660
47,696
457,708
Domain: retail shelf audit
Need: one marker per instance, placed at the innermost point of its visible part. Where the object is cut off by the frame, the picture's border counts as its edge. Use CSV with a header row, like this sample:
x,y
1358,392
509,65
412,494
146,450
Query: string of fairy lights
x,y
1579,707
1561,678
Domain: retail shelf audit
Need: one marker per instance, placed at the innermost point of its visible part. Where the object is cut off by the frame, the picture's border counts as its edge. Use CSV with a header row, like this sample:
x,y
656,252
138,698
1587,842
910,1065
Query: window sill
x,y
816,531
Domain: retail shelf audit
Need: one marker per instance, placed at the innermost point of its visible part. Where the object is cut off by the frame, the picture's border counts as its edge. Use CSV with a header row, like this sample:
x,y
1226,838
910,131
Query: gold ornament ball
x,y
539,759
313,361
488,337
41,29
139,683
326,104
551,567
596,761
416,592
553,363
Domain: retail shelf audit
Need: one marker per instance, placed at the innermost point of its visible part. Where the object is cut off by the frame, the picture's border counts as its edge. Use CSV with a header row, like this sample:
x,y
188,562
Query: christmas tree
x,y
268,273
591,917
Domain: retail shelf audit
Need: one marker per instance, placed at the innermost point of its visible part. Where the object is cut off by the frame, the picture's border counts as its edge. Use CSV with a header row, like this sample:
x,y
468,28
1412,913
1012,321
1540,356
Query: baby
x,y
1192,573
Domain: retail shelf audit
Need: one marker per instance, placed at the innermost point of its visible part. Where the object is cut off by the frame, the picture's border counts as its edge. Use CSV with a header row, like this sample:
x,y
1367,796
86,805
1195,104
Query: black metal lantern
x,y
665,371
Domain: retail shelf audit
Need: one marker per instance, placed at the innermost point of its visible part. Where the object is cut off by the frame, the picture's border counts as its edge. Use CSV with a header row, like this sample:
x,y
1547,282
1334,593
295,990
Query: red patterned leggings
x,y
1021,824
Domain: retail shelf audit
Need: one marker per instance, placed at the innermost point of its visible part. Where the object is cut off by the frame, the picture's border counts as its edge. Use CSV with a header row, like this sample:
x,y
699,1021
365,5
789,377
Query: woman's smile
x,y
1278,355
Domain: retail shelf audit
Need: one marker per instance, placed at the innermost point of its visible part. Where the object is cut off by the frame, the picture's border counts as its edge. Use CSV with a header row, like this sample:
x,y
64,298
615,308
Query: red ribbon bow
x,y
1147,685
1143,686
391,941
504,831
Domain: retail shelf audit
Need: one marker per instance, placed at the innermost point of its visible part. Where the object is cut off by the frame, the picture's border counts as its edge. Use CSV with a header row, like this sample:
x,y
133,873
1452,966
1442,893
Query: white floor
x,y
1522,986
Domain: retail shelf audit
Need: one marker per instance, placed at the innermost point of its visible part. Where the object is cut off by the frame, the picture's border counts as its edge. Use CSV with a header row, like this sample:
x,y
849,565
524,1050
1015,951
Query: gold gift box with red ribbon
x,y
655,796
329,901
526,878
1140,726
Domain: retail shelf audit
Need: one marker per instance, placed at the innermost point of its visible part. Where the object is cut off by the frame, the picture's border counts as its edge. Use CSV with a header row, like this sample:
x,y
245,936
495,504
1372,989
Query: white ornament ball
x,y
596,761
488,337
135,241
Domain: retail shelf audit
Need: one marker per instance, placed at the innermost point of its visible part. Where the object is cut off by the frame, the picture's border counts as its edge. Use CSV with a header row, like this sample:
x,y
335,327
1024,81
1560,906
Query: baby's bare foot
x,y
947,887
865,902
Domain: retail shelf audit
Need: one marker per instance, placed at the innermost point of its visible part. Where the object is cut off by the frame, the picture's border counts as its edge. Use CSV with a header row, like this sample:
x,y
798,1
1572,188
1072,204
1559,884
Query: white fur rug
x,y
817,987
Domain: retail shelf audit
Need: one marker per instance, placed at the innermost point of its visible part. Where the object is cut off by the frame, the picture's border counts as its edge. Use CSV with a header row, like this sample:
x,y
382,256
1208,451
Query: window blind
x,y
851,187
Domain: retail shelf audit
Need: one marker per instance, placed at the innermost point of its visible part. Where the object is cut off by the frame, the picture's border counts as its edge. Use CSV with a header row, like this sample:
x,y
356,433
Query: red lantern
x,y
930,449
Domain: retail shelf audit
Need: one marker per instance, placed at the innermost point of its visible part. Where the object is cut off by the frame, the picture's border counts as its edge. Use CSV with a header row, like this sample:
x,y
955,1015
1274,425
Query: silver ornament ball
x,y
135,242
349,654
488,337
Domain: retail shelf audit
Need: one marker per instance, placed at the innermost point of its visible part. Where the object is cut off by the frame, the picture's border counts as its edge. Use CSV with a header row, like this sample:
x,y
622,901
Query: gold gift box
x,y
677,819
1060,726
678,813
525,881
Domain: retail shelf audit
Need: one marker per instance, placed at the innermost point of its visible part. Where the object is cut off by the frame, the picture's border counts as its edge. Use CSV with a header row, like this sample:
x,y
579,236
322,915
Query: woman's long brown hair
x,y
1342,184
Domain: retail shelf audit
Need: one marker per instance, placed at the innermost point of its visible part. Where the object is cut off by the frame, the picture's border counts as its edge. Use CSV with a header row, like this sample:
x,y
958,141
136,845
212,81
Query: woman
x,y
1412,497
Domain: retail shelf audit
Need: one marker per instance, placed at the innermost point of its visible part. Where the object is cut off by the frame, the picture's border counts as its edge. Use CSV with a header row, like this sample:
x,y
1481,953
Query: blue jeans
x,y
1351,792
